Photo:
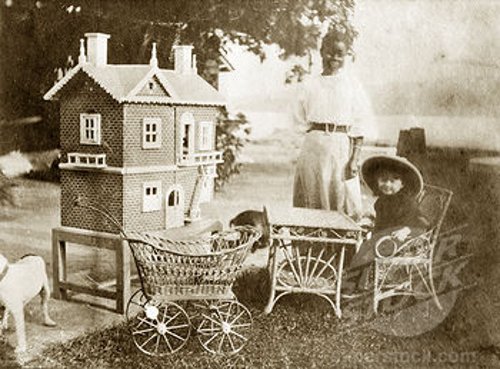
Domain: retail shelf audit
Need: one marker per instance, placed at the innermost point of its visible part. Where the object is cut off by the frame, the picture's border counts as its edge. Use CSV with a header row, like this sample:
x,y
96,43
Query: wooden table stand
x,y
99,240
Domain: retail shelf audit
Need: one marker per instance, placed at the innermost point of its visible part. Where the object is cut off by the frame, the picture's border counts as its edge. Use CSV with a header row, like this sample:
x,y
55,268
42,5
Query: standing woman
x,y
331,106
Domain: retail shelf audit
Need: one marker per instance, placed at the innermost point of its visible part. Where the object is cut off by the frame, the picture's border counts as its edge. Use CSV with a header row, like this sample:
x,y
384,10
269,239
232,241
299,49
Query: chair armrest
x,y
386,240
414,247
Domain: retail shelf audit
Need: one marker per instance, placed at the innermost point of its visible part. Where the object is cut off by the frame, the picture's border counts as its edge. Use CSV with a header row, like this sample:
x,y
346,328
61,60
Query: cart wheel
x,y
135,305
225,327
160,328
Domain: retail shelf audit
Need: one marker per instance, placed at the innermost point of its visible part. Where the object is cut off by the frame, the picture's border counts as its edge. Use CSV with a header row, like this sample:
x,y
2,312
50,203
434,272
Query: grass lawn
x,y
303,332
300,333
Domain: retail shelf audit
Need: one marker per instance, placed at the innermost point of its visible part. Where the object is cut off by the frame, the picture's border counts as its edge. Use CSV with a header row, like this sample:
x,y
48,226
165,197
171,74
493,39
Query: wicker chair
x,y
395,272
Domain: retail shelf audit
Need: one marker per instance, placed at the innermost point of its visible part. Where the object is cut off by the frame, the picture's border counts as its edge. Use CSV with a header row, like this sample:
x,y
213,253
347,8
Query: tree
x,y
37,37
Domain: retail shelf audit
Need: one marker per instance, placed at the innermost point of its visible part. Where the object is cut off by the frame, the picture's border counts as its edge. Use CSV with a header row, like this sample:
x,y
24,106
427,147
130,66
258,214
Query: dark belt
x,y
328,127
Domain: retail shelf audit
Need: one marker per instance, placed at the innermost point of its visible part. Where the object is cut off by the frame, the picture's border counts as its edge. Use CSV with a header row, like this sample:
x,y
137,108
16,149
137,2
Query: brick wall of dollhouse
x,y
134,217
122,196
83,95
171,138
98,188
134,154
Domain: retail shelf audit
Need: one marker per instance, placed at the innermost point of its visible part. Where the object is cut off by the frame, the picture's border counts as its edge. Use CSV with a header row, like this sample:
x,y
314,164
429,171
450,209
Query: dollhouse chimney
x,y
97,48
183,59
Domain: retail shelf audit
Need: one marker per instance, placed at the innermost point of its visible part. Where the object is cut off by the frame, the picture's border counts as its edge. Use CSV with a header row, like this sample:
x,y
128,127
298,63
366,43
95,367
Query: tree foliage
x,y
231,133
37,37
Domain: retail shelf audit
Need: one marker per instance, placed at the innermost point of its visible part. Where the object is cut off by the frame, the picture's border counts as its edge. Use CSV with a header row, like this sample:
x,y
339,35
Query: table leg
x,y
59,272
270,258
56,266
122,276
272,276
340,271
64,270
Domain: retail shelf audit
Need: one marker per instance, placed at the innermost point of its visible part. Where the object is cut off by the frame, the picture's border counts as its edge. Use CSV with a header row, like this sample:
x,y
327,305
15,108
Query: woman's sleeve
x,y
364,124
299,112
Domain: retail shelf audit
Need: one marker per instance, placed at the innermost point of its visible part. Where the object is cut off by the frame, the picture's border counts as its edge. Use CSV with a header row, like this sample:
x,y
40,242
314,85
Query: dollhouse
x,y
136,139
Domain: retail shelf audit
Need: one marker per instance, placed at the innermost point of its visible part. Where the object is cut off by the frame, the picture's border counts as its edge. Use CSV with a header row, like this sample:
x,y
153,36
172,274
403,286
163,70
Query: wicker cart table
x,y
307,252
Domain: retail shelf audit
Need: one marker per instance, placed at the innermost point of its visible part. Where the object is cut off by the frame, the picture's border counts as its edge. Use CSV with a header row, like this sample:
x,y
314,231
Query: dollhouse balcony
x,y
87,160
200,158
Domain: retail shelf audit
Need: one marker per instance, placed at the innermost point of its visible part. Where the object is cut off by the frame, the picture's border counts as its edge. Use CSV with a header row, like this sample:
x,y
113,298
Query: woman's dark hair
x,y
330,42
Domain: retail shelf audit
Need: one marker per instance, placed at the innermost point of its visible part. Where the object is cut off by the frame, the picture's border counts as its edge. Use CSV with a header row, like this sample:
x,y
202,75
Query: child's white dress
x,y
320,174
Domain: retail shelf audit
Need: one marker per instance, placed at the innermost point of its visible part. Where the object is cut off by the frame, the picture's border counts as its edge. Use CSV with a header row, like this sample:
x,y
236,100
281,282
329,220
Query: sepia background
x,y
431,64
425,63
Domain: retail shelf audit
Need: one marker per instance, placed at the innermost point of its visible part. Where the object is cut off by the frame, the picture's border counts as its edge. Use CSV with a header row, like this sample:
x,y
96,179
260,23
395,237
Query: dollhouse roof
x,y
123,82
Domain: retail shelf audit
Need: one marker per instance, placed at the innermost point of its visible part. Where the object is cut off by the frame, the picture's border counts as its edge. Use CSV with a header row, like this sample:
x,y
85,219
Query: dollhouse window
x,y
151,197
90,129
206,134
151,133
187,126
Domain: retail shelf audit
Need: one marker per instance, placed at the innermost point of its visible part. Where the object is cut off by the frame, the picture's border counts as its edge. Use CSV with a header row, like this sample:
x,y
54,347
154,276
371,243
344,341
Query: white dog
x,y
19,283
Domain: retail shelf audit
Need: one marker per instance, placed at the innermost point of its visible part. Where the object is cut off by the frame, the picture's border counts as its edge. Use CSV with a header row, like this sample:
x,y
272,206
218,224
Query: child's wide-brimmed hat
x,y
411,176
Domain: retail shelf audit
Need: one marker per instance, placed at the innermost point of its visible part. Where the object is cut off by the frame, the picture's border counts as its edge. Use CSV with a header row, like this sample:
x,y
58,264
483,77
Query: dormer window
x,y
90,129
151,133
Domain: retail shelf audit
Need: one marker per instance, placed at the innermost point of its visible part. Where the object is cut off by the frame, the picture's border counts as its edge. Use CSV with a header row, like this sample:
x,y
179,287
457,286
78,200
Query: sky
x,y
453,43
433,63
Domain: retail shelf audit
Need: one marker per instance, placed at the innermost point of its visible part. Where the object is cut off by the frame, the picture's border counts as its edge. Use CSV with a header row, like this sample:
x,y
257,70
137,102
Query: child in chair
x,y
397,183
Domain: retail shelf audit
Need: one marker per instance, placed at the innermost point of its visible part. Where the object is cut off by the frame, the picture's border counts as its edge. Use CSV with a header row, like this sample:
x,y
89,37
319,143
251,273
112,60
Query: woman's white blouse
x,y
338,99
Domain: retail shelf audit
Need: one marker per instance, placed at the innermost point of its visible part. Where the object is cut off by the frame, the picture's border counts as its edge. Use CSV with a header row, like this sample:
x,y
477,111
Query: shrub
x,y
231,135
6,193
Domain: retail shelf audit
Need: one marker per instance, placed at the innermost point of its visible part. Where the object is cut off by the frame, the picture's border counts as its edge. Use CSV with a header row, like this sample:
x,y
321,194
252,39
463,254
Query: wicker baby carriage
x,y
202,271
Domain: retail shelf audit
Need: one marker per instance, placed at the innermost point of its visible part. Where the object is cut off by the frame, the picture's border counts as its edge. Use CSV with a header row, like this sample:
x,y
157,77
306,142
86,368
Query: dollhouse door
x,y
174,216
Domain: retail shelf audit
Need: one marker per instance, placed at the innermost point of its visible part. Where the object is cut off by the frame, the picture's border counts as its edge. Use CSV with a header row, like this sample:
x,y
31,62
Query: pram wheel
x,y
135,305
225,327
158,328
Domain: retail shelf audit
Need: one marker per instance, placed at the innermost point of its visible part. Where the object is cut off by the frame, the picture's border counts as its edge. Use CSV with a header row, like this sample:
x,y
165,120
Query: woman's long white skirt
x,y
320,175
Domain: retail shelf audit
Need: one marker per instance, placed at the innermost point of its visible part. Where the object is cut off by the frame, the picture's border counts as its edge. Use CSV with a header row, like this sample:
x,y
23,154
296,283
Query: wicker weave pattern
x,y
204,266
395,272
200,267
